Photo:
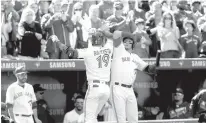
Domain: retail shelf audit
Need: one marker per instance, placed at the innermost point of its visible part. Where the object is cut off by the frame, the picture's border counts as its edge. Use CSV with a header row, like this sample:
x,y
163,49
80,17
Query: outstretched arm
x,y
118,35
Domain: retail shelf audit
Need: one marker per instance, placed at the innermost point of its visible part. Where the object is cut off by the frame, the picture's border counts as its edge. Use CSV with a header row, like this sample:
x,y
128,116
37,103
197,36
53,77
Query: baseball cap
x,y
139,20
195,1
118,5
179,90
64,2
202,117
37,88
20,70
186,21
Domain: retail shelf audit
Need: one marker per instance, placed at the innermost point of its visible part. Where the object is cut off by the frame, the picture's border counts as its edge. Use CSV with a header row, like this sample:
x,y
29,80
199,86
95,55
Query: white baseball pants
x,y
23,119
96,97
125,104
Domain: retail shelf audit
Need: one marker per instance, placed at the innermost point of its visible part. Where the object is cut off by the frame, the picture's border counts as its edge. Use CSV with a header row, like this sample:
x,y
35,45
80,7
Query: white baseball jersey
x,y
97,61
71,117
125,64
21,98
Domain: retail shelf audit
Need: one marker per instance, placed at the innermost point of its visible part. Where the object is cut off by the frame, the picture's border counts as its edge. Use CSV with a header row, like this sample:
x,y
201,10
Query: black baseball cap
x,y
202,117
37,88
179,90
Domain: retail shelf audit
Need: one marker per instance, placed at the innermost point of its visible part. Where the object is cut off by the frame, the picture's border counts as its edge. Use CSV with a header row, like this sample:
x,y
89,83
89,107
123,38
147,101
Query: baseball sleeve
x,y
33,95
10,95
141,65
82,53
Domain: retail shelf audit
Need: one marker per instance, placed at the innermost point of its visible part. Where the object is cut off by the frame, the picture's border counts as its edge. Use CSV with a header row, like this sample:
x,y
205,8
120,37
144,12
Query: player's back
x,y
98,62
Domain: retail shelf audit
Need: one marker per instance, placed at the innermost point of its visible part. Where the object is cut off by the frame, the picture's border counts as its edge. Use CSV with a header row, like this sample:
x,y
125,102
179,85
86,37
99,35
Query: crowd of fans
x,y
46,28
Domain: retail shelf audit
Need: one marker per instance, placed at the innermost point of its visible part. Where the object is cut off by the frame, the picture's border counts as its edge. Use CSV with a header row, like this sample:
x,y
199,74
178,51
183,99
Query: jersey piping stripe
x,y
114,104
85,103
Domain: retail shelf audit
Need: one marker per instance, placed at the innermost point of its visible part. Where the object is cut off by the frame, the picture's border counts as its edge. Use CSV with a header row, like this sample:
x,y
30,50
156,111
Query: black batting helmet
x,y
130,38
97,38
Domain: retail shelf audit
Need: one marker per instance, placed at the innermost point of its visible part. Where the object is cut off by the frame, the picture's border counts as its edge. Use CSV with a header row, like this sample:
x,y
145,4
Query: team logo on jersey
x,y
125,59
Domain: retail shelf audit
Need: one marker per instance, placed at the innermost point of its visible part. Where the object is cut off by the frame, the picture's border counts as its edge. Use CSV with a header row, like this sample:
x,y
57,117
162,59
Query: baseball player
x,y
21,100
97,58
198,104
123,74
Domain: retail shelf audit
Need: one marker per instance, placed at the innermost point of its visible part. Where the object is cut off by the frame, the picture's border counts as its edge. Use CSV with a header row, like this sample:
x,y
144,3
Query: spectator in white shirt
x,y
73,116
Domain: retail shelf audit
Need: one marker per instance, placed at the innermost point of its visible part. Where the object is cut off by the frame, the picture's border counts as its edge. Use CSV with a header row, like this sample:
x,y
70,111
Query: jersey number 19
x,y
103,60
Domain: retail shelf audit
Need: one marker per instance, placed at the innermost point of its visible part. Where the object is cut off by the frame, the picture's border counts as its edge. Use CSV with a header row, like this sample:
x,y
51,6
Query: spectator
x,y
202,118
73,116
34,6
143,41
165,6
134,12
201,23
202,53
168,34
58,24
9,23
190,42
117,18
151,11
181,14
77,40
20,6
44,7
42,107
105,9
196,8
173,5
198,103
30,34
151,28
179,109
87,4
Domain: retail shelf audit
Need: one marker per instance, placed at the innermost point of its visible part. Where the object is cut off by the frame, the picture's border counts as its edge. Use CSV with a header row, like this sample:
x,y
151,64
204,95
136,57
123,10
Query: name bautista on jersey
x,y
105,51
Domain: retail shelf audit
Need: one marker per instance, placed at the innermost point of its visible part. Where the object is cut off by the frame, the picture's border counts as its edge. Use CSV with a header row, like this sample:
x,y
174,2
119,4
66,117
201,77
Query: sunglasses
x,y
78,9
42,93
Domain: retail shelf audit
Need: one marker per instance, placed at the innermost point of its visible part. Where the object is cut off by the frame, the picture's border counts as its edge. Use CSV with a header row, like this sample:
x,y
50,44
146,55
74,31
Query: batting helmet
x,y
97,38
130,38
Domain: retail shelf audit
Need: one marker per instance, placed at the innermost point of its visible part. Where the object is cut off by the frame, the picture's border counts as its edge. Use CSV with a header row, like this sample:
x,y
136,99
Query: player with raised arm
x,y
97,59
123,73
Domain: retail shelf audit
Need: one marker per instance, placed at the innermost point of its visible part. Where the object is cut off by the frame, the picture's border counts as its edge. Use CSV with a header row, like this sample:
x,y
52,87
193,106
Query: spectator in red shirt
x,y
190,42
117,18
143,41
105,9
201,23
134,12
58,23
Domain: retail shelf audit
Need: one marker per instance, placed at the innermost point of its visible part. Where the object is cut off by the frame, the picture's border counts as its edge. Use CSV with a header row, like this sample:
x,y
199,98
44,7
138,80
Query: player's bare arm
x,y
117,37
10,110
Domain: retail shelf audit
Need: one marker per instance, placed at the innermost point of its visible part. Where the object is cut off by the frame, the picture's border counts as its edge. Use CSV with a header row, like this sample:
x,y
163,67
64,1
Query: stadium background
x,y
63,78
